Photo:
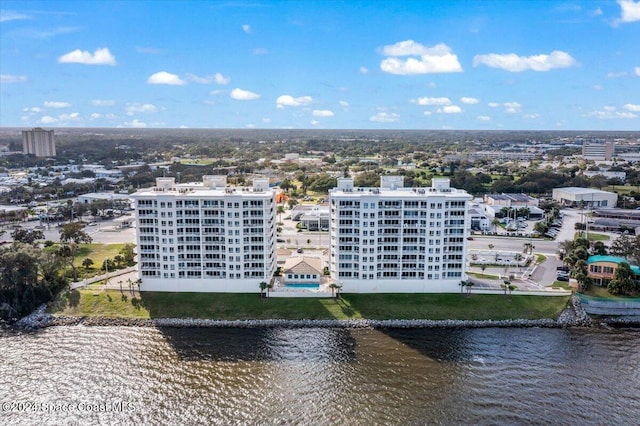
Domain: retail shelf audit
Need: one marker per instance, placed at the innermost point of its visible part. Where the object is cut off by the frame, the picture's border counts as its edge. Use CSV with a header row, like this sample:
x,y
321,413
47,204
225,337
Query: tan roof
x,y
283,252
303,265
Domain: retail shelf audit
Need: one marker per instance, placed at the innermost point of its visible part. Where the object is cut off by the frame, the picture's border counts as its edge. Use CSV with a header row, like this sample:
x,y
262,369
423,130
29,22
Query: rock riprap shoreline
x,y
572,316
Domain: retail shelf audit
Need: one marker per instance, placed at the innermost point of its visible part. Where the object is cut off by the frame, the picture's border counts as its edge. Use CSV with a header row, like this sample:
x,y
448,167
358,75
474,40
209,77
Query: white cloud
x,y
135,123
385,117
469,101
33,110
432,101
630,11
423,60
103,102
99,57
286,100
514,63
493,105
217,78
364,70
95,116
483,118
266,120
427,113
246,28
164,77
54,104
450,109
8,15
133,108
636,70
47,119
632,107
344,104
314,122
616,74
243,95
8,78
512,107
74,116
322,113
531,116
608,113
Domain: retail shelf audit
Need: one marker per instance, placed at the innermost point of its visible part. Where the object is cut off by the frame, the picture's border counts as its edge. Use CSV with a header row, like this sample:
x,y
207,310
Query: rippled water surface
x,y
321,376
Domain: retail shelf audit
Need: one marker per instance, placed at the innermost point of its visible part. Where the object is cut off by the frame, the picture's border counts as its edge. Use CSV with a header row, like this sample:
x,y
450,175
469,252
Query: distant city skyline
x,y
497,65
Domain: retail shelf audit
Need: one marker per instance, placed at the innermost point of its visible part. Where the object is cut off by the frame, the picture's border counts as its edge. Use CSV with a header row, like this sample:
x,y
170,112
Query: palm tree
x,y
518,258
263,286
280,211
333,287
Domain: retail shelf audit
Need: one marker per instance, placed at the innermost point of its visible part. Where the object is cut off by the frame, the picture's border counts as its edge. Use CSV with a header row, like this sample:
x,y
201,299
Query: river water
x,y
127,375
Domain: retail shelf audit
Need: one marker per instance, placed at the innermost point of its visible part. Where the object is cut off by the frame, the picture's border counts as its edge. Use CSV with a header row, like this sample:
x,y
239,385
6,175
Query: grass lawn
x,y
601,292
96,252
592,236
482,275
229,306
541,258
562,284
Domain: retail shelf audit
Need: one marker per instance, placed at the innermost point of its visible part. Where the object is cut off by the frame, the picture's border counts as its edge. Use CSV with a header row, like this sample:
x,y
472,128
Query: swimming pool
x,y
302,285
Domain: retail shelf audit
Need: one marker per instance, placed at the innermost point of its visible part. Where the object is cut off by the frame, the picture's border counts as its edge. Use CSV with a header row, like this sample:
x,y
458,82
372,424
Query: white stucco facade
x,y
394,239
205,237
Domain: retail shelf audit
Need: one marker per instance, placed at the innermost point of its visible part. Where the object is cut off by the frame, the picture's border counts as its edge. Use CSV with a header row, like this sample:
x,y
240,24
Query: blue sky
x,y
543,65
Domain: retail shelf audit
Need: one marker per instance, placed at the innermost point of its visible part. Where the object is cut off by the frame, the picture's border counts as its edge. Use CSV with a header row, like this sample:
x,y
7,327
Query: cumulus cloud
x,y
54,104
133,108
432,101
286,100
164,77
636,71
314,122
422,59
47,119
95,116
99,57
322,113
483,118
8,78
632,107
469,101
610,112
74,116
103,102
364,70
385,117
493,105
629,11
32,110
512,107
246,28
217,78
135,123
8,15
514,63
243,95
344,104
450,109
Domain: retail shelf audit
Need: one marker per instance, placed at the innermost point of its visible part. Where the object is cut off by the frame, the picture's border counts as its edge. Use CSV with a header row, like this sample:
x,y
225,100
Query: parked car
x,y
563,278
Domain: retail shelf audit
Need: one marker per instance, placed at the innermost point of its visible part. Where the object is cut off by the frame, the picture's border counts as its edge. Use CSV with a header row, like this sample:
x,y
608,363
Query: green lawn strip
x,y
602,293
96,252
561,284
485,276
231,306
592,236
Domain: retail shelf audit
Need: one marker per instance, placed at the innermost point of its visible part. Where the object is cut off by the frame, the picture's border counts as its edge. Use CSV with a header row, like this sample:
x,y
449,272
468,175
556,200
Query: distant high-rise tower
x,y
39,142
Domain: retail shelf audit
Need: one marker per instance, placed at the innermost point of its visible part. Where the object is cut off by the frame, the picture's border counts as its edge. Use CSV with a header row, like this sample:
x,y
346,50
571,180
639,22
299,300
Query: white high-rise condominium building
x,y
205,237
39,142
394,239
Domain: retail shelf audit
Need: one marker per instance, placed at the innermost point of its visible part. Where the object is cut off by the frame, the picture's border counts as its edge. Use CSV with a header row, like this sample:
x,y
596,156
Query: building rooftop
x,y
613,259
580,191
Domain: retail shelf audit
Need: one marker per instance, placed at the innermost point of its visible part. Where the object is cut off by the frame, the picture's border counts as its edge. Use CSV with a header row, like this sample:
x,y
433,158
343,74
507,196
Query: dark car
x,y
280,240
562,278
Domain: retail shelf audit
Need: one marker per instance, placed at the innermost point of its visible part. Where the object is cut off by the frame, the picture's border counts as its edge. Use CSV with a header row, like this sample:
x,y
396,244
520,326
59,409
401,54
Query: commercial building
x,y
39,142
584,197
395,239
205,237
602,269
598,150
